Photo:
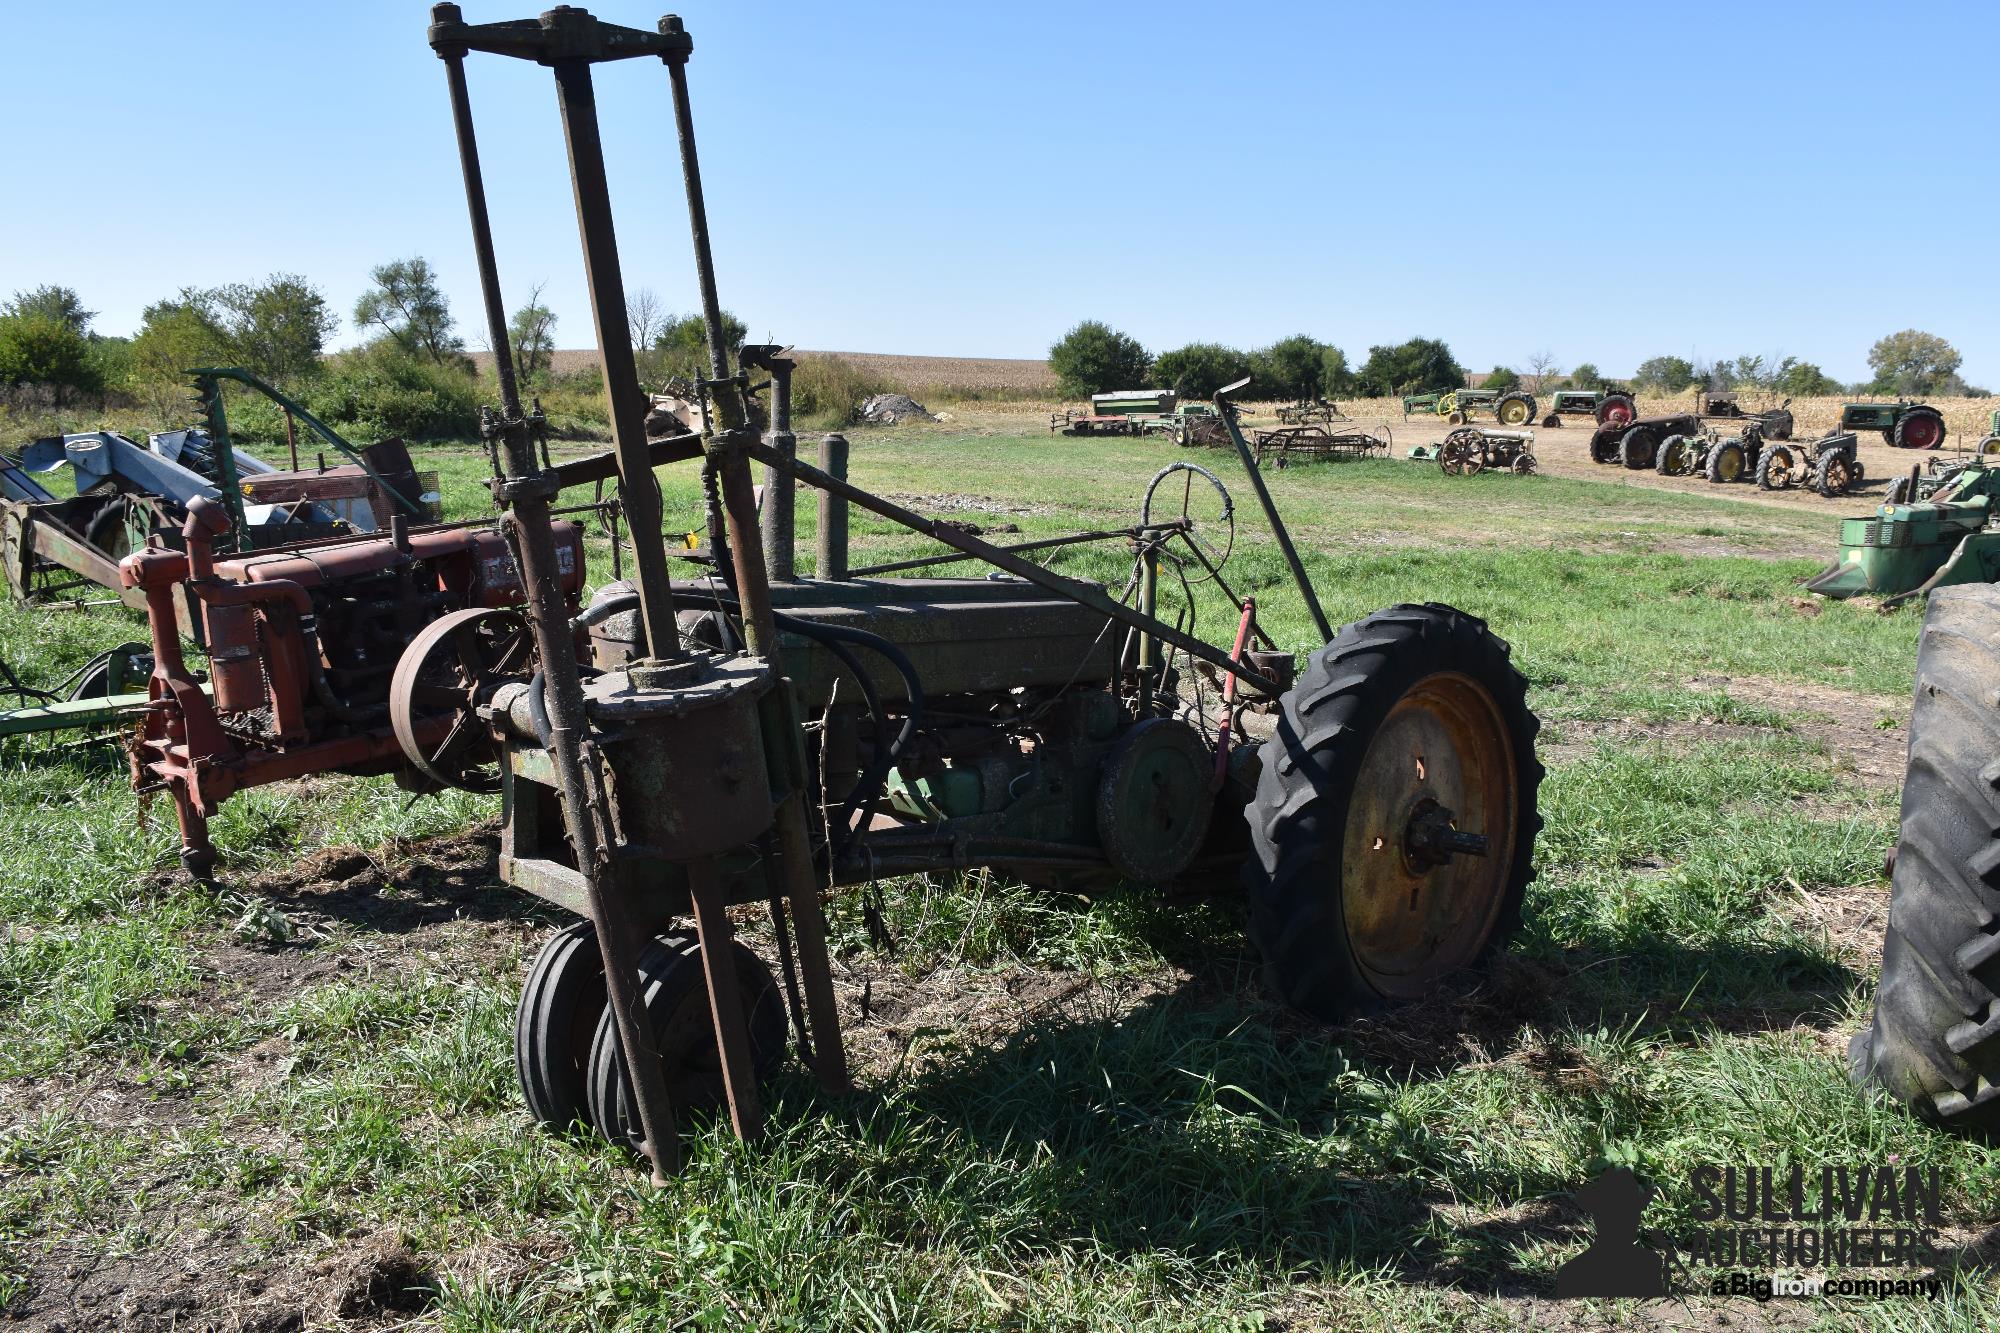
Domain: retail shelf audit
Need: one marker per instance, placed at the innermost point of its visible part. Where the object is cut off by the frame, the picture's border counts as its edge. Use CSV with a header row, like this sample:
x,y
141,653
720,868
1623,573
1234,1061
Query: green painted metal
x,y
208,394
208,397
1133,402
71,714
1903,549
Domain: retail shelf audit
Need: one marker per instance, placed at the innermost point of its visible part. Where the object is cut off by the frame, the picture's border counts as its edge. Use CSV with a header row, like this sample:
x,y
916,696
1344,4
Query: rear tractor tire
x,y
1725,462
1639,447
1617,409
1934,1041
1393,827
1676,457
1514,409
1919,430
1833,475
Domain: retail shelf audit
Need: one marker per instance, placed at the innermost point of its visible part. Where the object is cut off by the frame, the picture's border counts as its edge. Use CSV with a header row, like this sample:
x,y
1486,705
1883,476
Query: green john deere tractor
x,y
1601,405
1903,423
1514,408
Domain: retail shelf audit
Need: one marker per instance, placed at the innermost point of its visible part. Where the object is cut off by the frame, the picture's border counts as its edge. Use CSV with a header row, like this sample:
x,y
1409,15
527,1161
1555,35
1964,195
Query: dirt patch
x,y
954,503
1868,734
889,1016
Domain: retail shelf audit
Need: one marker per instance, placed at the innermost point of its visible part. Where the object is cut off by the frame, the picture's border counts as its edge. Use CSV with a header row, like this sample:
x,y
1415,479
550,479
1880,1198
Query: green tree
x,y
1586,376
682,345
1421,365
1336,378
1199,369
61,304
532,332
1803,379
1748,372
40,348
277,327
1658,374
174,336
1289,368
1913,362
407,305
1502,378
1093,358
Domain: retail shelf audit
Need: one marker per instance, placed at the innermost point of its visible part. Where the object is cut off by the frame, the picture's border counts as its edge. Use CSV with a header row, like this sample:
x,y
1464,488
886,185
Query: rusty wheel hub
x,y
1430,837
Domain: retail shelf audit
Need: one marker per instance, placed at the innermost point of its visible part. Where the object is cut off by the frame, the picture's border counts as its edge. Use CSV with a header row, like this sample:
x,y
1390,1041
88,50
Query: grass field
x,y
289,1102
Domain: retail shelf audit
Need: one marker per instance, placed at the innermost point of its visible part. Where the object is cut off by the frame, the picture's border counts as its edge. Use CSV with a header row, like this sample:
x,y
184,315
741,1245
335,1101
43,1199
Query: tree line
x,y
1093,358
410,376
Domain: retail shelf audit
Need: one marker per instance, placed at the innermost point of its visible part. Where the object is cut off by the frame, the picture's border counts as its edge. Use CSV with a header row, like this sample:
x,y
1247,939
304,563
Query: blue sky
x,y
1606,182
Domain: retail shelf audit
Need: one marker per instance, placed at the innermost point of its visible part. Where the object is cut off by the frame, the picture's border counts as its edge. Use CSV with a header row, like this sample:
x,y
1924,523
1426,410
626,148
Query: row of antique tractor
x,y
1685,444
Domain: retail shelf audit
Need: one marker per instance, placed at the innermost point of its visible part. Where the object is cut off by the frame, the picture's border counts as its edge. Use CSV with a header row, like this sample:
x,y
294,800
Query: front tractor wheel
x,y
1393,828
1934,1041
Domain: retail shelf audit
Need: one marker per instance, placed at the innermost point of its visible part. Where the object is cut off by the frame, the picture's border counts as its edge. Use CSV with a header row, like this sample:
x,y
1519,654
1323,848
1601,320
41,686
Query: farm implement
x,y
1470,449
653,753
99,698
1942,534
1310,412
1317,443
59,549
1115,413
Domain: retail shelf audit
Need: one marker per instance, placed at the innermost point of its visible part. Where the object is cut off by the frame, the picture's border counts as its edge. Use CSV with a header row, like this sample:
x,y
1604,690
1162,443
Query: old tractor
x,y
1420,404
677,748
1604,407
1775,423
1471,449
1829,464
1636,444
1516,407
1903,423
1705,453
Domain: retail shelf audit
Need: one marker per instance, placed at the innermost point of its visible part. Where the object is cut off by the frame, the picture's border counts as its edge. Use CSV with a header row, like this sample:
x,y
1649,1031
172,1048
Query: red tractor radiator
x,y
302,645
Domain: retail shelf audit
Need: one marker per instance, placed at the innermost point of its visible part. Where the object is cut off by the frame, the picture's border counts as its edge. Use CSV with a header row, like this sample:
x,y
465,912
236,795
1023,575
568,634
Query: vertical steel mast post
x,y
525,492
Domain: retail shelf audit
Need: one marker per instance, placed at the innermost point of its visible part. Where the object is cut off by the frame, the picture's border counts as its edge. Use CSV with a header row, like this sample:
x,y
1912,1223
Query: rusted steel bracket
x,y
560,34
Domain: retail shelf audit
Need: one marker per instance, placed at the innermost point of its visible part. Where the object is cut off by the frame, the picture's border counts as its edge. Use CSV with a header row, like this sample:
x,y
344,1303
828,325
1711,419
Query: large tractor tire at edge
x,y
1411,724
1934,1041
